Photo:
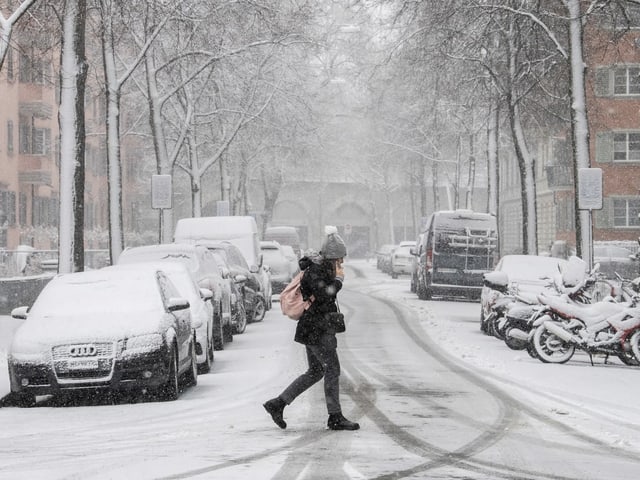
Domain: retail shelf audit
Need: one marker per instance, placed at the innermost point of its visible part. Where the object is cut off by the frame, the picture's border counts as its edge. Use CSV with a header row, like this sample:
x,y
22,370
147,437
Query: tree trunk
x,y
493,165
163,165
72,138
116,235
527,182
579,124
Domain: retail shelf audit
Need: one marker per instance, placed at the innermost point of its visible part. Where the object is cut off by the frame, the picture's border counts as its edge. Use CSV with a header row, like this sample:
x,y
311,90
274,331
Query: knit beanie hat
x,y
333,246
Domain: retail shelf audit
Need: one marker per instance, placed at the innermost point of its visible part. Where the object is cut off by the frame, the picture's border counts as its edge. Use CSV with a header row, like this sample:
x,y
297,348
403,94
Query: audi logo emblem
x,y
83,351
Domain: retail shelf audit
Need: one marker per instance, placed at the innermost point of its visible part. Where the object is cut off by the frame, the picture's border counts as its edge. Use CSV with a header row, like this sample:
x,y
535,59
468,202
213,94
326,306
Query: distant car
x,y
402,259
284,235
279,266
415,261
293,259
616,259
383,257
106,329
204,268
528,275
233,284
199,305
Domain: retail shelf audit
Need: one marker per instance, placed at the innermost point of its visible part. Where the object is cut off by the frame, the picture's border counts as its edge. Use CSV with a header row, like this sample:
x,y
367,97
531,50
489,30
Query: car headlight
x,y
143,344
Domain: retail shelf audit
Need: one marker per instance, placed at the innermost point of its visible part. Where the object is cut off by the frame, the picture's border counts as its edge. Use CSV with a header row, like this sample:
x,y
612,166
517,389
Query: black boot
x,y
338,422
275,407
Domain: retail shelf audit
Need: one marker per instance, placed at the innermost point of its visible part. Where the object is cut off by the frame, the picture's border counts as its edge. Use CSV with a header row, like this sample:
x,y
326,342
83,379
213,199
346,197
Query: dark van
x,y
457,248
284,236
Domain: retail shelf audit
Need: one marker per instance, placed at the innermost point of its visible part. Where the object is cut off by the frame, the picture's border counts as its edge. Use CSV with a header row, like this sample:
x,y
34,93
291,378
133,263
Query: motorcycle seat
x,y
588,313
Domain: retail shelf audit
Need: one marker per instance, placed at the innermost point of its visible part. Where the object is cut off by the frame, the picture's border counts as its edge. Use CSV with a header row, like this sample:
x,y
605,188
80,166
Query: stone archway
x,y
353,223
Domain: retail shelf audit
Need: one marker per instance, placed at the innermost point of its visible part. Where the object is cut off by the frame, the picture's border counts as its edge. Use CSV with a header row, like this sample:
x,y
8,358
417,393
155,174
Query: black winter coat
x,y
319,280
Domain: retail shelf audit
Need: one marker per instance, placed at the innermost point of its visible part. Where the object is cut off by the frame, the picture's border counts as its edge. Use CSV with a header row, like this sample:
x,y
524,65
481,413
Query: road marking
x,y
352,472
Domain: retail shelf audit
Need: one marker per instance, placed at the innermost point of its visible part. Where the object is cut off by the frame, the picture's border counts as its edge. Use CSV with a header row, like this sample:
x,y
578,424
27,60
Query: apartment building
x,y
29,191
613,96
613,108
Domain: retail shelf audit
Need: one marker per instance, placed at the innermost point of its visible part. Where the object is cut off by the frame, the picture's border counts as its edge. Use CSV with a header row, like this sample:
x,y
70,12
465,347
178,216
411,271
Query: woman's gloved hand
x,y
339,271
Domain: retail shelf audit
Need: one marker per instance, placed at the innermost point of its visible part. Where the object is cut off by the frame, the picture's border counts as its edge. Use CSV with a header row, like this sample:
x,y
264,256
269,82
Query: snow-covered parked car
x,y
402,259
290,254
199,304
204,268
109,329
279,265
233,283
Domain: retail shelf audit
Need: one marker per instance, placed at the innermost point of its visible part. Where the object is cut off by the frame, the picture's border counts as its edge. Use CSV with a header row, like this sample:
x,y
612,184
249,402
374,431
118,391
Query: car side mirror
x,y
206,294
240,278
20,313
176,304
496,280
226,273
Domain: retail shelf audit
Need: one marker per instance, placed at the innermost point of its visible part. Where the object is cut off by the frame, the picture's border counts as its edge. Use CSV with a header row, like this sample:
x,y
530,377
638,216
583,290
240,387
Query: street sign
x,y
161,191
590,188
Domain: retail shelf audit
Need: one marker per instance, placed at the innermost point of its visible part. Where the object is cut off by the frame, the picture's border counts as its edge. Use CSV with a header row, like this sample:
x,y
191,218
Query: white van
x,y
239,230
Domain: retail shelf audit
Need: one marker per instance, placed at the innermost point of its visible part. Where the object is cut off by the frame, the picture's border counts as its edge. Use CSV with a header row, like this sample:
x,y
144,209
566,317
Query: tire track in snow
x,y
463,457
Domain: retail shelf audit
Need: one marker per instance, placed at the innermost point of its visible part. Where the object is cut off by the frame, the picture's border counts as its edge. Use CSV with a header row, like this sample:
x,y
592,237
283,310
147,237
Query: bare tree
x,y
6,27
73,74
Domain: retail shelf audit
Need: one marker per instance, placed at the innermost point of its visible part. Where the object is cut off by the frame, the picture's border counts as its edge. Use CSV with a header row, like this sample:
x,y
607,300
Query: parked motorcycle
x,y
518,324
604,328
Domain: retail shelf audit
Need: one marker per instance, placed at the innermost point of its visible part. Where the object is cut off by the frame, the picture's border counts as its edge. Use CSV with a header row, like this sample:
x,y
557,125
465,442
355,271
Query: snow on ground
x,y
599,400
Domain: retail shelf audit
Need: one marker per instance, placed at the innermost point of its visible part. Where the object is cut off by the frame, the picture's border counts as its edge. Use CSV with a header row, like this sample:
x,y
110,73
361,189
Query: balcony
x,y
559,176
36,109
35,177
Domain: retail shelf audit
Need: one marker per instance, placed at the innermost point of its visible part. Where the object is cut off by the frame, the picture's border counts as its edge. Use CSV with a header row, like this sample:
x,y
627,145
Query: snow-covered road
x,y
435,399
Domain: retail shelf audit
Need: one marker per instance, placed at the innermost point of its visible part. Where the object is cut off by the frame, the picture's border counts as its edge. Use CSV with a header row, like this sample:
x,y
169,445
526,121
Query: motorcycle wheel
x,y
634,341
493,329
550,348
498,331
628,358
531,350
514,343
483,322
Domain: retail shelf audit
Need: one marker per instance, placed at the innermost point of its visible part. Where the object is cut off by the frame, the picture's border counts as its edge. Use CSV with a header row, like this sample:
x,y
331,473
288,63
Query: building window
x,y
10,72
33,140
10,137
33,70
626,80
8,206
45,211
625,212
22,209
626,147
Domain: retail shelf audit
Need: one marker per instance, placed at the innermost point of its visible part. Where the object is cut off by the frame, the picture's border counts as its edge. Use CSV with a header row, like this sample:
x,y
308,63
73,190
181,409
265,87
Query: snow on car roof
x,y
176,271
183,252
108,288
530,267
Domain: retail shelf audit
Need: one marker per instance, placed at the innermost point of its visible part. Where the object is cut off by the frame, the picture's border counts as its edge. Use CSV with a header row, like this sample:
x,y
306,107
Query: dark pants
x,y
323,362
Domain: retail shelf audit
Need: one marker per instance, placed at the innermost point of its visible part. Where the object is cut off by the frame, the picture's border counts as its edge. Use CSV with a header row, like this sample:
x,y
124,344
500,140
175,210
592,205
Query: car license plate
x,y
89,364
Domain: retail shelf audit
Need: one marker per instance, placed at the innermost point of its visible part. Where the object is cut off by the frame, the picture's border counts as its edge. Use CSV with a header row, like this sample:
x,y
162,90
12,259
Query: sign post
x,y
161,196
590,198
